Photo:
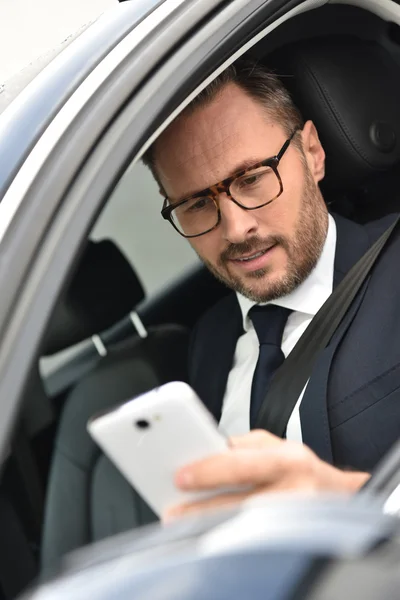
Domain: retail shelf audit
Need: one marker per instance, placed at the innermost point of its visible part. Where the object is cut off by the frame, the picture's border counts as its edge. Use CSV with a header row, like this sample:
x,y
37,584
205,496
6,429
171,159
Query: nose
x,y
237,224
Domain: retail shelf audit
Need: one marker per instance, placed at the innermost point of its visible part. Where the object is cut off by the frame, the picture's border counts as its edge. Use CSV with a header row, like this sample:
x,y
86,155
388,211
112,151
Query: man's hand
x,y
261,462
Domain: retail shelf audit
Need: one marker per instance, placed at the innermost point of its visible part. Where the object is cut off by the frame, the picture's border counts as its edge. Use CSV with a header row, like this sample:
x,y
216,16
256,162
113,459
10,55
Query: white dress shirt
x,y
305,301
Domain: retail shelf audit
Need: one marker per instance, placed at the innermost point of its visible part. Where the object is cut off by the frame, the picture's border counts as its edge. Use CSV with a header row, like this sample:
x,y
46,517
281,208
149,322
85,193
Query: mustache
x,y
252,245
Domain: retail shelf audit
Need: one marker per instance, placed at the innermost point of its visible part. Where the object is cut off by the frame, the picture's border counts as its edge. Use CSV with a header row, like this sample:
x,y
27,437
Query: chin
x,y
264,286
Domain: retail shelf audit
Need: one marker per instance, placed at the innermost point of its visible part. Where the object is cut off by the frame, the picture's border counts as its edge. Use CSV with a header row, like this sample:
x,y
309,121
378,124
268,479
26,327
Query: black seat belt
x,y
290,379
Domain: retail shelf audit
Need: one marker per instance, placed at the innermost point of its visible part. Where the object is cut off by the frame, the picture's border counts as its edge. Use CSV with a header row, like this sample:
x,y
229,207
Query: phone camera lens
x,y
142,424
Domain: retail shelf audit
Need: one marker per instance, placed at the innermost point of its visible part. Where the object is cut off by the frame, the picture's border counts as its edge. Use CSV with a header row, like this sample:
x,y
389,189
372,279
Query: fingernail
x,y
184,478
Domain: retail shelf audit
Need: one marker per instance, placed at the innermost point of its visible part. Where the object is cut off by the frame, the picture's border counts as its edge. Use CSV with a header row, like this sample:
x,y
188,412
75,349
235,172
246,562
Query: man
x,y
240,171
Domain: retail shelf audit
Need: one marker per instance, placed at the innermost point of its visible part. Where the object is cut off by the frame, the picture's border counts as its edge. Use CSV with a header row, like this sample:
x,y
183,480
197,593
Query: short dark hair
x,y
259,83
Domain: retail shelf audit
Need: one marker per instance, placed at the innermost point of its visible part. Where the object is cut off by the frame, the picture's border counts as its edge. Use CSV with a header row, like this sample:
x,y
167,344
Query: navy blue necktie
x,y
269,322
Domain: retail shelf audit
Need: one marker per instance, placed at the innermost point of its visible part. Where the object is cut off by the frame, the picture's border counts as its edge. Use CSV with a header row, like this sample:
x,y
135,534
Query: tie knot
x,y
269,322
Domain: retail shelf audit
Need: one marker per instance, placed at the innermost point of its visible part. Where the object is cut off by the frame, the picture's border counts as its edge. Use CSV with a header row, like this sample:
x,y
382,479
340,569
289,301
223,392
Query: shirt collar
x,y
311,294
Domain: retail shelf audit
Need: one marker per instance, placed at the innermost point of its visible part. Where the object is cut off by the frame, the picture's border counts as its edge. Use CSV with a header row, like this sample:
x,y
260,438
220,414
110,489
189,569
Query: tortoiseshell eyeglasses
x,y
250,189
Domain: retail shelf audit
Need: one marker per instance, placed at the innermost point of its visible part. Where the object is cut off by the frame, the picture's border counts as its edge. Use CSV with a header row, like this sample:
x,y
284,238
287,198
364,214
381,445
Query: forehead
x,y
207,145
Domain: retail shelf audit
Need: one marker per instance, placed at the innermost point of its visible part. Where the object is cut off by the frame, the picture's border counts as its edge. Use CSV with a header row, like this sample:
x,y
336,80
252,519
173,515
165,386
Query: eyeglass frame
x,y
222,187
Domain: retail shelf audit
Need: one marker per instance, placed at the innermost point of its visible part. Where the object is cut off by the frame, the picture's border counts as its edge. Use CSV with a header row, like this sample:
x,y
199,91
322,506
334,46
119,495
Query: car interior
x,y
58,491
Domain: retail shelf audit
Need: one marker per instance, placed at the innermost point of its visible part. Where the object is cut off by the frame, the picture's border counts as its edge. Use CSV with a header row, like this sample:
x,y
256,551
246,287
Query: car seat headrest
x,y
103,289
350,88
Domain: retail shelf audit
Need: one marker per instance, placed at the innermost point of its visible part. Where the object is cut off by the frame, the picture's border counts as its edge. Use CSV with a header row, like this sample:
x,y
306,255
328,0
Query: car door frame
x,y
110,119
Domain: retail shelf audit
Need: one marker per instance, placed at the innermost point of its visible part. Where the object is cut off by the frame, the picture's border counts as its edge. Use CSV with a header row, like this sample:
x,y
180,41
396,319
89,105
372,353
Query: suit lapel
x,y
314,406
214,372
352,242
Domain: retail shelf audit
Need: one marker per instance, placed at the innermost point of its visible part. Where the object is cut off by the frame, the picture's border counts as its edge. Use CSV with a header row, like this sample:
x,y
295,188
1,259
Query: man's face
x,y
263,253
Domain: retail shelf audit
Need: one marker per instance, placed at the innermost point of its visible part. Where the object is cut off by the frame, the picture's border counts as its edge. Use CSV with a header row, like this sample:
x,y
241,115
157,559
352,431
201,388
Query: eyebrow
x,y
243,166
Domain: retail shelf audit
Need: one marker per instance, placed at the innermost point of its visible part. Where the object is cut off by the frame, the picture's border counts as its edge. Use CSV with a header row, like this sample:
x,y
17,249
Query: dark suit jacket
x,y
350,413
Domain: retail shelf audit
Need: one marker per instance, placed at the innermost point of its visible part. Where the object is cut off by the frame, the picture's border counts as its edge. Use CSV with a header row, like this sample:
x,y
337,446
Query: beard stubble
x,y
302,251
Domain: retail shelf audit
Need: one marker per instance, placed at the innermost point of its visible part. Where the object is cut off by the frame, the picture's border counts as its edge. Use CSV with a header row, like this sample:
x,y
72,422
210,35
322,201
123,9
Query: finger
x,y
239,466
217,502
257,438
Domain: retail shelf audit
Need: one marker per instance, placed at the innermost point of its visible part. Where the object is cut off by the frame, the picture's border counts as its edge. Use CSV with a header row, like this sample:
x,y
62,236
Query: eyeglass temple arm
x,y
286,145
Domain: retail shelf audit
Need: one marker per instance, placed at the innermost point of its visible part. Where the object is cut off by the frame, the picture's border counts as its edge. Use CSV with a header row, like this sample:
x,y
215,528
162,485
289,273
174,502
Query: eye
x,y
252,179
198,204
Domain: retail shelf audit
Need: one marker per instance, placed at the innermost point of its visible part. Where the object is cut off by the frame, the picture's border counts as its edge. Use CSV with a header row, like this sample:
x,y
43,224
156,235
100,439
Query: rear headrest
x,y
350,88
104,288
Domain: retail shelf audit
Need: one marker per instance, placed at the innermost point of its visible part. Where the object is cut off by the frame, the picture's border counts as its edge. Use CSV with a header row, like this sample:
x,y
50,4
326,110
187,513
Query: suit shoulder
x,y
379,226
219,312
212,336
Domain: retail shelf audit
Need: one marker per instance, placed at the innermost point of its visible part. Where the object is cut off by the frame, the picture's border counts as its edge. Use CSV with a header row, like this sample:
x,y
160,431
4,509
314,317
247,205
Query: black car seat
x,y
350,88
87,498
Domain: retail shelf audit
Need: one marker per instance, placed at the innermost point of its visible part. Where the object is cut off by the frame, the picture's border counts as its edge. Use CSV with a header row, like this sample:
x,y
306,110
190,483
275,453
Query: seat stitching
x,y
73,460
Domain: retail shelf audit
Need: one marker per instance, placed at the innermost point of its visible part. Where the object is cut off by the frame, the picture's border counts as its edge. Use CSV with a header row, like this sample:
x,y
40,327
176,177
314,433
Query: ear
x,y
313,151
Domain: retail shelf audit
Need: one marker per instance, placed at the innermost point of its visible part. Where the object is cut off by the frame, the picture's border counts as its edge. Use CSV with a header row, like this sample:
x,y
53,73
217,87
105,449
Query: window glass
x,y
132,219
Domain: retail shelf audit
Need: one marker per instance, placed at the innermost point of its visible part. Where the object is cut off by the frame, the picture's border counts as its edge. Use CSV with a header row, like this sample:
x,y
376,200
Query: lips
x,y
252,256
254,261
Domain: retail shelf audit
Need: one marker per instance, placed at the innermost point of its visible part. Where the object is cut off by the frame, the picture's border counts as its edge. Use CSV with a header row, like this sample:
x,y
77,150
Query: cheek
x,y
207,247
278,218
285,210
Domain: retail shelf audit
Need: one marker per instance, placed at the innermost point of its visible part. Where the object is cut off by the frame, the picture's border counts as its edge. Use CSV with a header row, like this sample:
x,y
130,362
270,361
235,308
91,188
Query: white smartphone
x,y
150,437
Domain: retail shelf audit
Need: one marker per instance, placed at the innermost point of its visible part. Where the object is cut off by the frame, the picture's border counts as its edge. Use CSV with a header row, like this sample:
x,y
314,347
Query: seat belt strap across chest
x,y
290,379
